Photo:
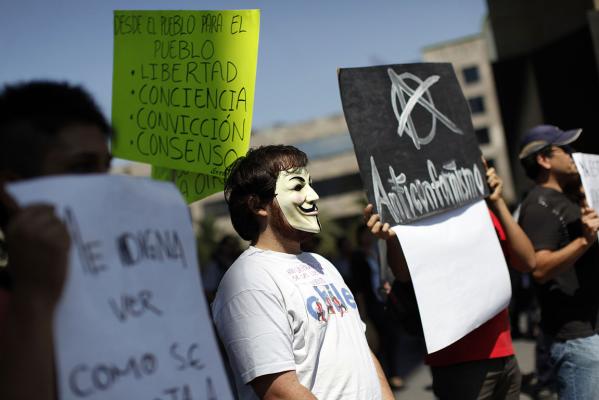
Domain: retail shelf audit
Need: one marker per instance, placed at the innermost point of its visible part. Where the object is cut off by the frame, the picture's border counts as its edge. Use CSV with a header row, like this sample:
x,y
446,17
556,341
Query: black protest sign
x,y
413,137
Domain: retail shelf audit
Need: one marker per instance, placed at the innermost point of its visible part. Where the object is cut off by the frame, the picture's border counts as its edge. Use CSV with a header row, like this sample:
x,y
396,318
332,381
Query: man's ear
x,y
543,161
257,207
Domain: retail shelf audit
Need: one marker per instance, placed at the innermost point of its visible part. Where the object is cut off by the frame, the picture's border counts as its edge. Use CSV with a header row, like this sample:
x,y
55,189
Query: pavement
x,y
417,378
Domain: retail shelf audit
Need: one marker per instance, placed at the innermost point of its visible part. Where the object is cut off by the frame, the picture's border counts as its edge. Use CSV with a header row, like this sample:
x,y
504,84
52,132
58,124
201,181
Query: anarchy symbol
x,y
421,96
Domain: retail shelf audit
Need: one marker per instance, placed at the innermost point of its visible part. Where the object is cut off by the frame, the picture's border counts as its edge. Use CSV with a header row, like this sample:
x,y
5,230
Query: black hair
x,y
251,181
31,116
530,163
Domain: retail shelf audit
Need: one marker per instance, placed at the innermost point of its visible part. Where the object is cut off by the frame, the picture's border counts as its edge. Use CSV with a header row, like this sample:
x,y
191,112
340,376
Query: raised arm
x,y
553,262
38,244
521,251
395,257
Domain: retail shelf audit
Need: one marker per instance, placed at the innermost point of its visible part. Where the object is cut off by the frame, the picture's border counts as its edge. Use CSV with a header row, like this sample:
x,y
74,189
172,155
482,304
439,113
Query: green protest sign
x,y
192,186
183,87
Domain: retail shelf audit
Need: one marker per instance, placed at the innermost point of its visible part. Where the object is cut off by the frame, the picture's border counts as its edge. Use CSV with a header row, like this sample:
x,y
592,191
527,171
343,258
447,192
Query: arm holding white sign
x,y
395,257
491,334
551,263
543,217
38,244
520,249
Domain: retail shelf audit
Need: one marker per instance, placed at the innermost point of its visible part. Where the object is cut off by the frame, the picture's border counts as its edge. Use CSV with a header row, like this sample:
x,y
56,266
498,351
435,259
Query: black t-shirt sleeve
x,y
542,227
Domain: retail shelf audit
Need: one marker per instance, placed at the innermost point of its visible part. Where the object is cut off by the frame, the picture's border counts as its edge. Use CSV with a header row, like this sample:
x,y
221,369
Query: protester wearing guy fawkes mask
x,y
271,308
297,200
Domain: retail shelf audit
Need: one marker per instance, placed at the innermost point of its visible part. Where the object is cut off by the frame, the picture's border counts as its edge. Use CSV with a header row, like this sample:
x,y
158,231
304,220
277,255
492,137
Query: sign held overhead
x,y
414,140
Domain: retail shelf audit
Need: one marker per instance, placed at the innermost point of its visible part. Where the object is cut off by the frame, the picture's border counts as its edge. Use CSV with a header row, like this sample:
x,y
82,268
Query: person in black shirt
x,y
563,230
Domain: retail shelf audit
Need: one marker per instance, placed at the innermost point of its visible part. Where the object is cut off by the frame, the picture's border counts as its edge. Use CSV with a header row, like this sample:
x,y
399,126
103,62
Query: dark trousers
x,y
493,379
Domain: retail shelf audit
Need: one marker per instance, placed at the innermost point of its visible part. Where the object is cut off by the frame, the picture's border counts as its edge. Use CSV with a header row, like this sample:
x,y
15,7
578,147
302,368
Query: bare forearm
x,y
26,351
281,386
552,263
522,253
296,393
386,391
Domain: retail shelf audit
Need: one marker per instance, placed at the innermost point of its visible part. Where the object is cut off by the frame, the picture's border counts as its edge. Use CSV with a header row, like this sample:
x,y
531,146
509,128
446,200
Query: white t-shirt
x,y
279,312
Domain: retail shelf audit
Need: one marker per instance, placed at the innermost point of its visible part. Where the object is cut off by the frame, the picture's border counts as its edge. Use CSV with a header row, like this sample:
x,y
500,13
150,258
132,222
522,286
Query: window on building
x,y
477,105
482,134
471,74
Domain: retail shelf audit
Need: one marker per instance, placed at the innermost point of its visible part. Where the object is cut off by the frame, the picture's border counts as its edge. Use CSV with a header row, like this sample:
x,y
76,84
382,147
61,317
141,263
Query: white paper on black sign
x,y
459,272
132,322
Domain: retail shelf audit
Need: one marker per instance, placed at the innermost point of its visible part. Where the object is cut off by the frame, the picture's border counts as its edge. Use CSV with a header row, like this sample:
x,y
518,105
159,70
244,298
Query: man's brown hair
x,y
251,181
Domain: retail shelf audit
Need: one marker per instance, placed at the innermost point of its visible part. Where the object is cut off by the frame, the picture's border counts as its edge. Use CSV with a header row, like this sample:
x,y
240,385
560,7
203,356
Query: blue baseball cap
x,y
546,135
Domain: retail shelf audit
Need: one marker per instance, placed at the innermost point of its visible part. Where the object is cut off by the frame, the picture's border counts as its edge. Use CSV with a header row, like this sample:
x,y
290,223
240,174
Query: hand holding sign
x,y
40,274
495,183
132,290
377,228
590,225
588,168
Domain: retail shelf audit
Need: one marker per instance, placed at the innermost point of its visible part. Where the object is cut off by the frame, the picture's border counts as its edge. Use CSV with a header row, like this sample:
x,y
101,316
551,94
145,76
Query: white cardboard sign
x,y
132,322
588,168
458,270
